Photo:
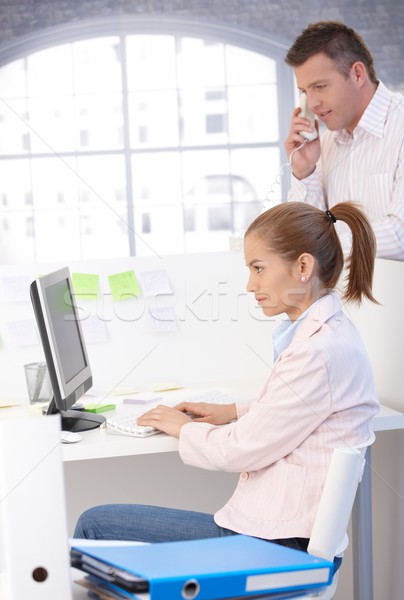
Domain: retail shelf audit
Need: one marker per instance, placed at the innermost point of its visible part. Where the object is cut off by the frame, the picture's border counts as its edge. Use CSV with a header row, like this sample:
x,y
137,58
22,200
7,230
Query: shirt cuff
x,y
309,188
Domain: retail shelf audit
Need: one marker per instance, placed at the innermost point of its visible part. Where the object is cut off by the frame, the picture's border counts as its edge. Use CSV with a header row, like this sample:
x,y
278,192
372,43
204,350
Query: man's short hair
x,y
337,41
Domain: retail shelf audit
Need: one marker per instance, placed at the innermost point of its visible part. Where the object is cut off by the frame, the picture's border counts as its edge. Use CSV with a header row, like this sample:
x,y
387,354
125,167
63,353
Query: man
x,y
361,154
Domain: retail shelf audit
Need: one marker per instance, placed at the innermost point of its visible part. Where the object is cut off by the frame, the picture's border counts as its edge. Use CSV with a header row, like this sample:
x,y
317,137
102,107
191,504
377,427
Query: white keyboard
x,y
126,425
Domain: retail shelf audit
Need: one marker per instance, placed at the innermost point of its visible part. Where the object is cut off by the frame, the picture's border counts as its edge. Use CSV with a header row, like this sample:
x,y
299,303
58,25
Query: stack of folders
x,y
218,568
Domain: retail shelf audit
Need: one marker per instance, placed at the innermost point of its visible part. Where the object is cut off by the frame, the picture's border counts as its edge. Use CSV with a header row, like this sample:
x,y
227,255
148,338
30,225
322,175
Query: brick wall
x,y
381,23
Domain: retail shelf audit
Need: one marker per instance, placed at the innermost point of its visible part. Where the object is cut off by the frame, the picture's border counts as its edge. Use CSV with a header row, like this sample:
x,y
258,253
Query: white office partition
x,y
34,551
382,329
204,329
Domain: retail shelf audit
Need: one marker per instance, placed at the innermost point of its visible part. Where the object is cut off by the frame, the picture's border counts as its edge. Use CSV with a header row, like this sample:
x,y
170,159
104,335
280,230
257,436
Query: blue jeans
x,y
143,523
146,524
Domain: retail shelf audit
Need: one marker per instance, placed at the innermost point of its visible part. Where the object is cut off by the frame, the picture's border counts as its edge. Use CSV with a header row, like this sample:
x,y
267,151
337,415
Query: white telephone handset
x,y
305,112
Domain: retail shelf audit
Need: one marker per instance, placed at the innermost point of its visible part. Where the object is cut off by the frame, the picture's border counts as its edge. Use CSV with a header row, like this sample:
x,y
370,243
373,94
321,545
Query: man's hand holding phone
x,y
302,145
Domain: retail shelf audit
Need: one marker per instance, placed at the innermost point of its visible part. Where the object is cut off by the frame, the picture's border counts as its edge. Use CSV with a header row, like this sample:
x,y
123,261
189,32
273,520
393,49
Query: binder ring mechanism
x,y
190,589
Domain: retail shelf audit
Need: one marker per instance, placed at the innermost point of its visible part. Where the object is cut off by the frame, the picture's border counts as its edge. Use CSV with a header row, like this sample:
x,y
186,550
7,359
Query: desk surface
x,y
98,444
388,419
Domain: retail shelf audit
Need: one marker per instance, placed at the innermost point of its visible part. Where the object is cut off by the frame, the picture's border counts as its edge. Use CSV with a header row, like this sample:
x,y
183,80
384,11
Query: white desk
x,y
97,443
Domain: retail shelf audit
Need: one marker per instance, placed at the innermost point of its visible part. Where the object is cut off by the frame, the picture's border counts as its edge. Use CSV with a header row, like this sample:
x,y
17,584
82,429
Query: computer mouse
x,y
69,437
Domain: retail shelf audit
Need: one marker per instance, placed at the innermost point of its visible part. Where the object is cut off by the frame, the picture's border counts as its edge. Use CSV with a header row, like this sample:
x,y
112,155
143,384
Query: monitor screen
x,y
64,348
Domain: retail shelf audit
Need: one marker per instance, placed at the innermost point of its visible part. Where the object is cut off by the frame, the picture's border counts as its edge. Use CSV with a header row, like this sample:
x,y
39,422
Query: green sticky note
x,y
124,286
97,408
86,285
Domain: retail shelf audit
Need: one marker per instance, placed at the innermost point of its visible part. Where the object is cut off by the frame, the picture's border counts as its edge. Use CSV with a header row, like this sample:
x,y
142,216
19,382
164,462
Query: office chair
x,y
329,537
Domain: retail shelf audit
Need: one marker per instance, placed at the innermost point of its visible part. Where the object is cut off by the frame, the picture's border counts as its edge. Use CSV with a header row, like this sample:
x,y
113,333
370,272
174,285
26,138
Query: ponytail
x,y
361,260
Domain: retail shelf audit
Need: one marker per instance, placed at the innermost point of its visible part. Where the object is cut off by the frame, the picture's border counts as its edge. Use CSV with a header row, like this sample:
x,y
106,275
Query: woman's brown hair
x,y
293,228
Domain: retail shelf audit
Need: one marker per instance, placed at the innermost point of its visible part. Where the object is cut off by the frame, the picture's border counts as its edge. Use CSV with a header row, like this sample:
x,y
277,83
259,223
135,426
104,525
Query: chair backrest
x,y
329,538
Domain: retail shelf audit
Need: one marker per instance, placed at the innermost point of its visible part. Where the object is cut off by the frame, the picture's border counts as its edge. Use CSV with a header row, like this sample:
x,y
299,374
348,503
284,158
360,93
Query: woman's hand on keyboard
x,y
165,418
204,412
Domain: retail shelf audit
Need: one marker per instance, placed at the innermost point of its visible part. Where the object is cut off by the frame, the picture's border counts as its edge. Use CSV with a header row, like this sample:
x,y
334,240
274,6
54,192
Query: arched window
x,y
145,141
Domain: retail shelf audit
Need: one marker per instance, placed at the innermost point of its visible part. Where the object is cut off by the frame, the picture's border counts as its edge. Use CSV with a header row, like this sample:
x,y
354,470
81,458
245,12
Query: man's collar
x,y
373,119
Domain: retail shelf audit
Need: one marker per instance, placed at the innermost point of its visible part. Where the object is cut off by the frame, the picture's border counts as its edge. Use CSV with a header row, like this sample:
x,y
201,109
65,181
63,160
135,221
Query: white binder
x,y
34,550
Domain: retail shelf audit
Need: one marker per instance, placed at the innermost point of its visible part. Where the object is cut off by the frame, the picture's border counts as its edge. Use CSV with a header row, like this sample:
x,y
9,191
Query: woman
x,y
319,395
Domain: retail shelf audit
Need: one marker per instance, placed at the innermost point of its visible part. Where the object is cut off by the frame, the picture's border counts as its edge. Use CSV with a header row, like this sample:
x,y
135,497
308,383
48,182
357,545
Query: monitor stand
x,y
79,420
76,420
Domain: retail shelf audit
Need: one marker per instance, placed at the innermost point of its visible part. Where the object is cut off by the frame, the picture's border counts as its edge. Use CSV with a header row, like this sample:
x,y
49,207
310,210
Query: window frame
x,y
157,25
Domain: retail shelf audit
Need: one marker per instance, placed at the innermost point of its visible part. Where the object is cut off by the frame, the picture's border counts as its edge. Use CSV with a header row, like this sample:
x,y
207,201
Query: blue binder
x,y
226,567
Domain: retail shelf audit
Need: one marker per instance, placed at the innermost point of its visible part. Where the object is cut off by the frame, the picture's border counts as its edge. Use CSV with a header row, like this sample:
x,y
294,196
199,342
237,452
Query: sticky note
x,y
165,386
124,286
23,333
16,289
162,318
94,330
86,285
125,391
97,408
155,282
143,399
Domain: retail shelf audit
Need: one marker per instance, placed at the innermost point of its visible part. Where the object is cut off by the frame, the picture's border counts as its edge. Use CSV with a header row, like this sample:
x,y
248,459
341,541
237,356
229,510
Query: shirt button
x,y
244,476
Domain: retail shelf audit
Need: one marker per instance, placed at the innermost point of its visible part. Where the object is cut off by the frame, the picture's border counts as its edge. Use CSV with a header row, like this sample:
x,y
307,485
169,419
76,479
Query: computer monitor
x,y
64,348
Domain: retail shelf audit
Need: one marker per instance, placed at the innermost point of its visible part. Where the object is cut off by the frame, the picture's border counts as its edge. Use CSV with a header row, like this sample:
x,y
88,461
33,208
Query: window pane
x,y
157,192
219,218
99,121
57,235
12,80
14,131
156,178
151,62
253,114
97,66
102,183
104,233
16,237
198,168
54,183
260,168
207,187
15,188
52,123
199,111
246,67
153,119
166,229
200,63
49,72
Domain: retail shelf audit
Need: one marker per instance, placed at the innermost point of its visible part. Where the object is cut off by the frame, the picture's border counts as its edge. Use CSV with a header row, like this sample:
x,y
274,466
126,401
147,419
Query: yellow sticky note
x,y
8,403
124,286
165,386
86,285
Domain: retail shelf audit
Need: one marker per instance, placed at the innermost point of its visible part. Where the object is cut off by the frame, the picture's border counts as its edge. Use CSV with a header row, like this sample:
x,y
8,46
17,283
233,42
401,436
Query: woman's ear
x,y
305,266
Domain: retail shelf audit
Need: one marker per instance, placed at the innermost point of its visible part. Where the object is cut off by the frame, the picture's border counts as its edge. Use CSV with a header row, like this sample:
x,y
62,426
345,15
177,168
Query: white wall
x,y
221,338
